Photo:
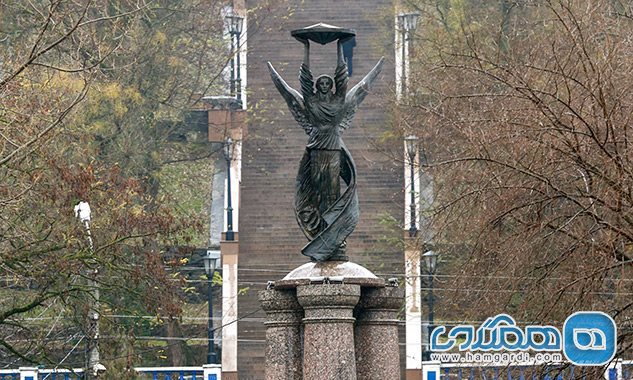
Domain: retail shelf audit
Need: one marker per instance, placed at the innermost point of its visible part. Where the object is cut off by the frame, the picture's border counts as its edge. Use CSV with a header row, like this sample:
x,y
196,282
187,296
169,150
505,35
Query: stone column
x,y
283,334
413,309
376,334
328,352
230,254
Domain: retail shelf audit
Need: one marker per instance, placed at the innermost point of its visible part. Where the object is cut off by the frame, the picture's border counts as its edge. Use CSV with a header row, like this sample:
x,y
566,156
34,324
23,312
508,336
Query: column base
x,y
413,374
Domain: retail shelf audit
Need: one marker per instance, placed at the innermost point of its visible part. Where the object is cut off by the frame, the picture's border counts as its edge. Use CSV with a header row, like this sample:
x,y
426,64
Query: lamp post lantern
x,y
430,263
210,263
236,23
412,148
409,21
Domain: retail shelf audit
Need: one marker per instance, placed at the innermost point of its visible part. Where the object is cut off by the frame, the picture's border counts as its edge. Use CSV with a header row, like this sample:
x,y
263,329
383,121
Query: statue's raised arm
x,y
341,76
305,75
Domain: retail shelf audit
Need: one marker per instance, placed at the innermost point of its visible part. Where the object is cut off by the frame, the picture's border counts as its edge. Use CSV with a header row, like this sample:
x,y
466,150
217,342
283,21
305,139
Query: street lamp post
x,y
83,213
228,156
210,263
408,23
412,147
236,24
430,261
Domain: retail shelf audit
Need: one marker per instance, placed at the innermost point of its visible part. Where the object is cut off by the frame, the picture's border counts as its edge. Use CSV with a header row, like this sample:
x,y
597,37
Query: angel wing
x,y
358,93
293,99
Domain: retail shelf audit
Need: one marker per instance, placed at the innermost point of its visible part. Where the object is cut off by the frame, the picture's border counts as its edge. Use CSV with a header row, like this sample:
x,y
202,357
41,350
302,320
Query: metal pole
x,y
238,80
211,356
94,325
93,358
230,236
412,229
431,316
404,64
93,314
232,85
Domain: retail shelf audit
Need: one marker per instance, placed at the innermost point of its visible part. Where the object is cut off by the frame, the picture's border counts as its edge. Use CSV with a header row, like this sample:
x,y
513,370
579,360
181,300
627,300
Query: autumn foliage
x,y
89,94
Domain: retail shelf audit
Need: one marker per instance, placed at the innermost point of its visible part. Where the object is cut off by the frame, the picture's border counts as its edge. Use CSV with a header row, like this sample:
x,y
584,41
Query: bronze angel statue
x,y
324,108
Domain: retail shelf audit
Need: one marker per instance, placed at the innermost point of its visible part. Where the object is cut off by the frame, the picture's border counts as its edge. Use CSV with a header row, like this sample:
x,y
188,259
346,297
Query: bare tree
x,y
525,110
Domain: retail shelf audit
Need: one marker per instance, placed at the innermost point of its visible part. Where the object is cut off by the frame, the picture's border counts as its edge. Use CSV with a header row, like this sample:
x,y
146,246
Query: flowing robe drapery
x,y
325,215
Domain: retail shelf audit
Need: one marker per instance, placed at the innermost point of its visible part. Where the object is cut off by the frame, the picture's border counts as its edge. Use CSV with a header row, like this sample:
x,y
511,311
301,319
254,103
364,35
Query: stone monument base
x,y
331,320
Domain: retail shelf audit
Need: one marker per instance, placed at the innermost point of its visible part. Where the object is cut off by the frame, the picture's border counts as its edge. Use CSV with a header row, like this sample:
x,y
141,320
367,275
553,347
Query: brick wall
x,y
270,240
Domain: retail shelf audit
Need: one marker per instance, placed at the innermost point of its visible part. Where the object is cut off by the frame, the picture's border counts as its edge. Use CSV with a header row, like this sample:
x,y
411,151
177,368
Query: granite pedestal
x,y
283,334
376,333
331,321
328,351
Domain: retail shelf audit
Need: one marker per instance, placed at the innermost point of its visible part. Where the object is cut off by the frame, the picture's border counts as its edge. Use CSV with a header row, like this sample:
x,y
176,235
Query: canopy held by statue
x,y
322,33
